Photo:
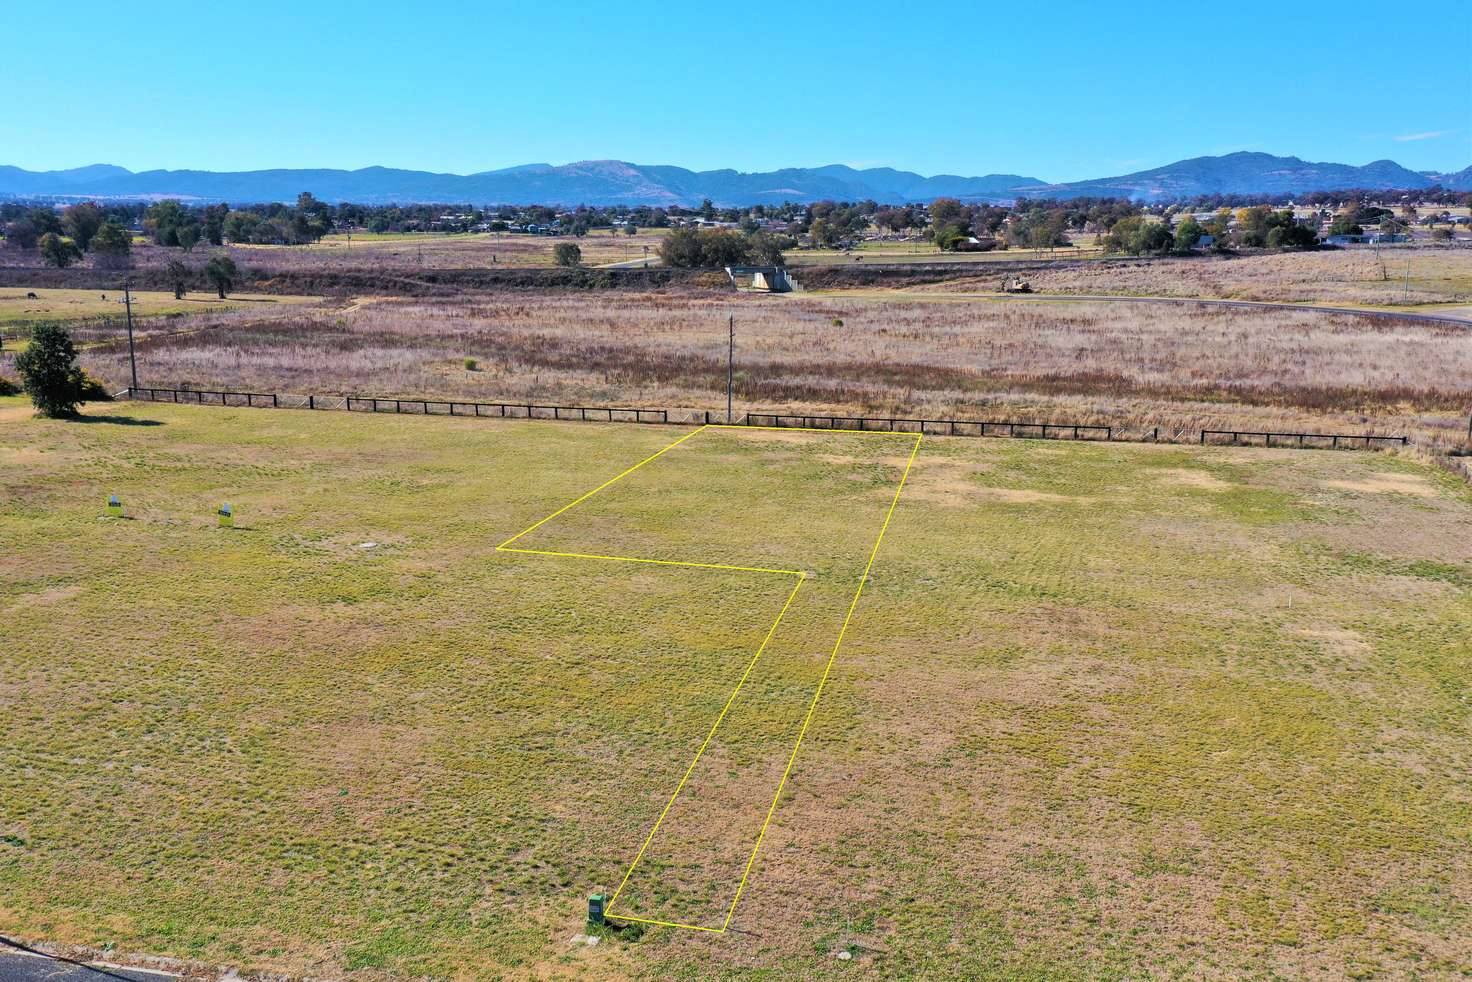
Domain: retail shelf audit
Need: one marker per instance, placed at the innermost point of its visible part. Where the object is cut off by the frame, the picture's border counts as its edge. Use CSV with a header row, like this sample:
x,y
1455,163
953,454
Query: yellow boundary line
x,y
771,632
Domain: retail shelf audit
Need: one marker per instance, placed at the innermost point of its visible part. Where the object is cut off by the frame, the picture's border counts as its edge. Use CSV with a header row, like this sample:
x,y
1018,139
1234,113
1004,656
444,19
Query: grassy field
x,y
74,305
1104,712
1395,277
433,250
908,252
860,352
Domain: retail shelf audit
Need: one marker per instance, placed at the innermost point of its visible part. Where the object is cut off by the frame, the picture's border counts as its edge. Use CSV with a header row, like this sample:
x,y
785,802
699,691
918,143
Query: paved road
x,y
1408,315
651,261
16,966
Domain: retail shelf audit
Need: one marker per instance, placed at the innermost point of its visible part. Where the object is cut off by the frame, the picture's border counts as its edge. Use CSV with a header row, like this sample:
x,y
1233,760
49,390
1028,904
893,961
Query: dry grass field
x,y
1104,711
399,252
1141,367
80,308
1347,276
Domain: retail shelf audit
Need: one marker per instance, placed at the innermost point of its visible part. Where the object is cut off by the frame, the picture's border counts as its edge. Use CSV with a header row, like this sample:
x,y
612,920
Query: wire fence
x,y
1019,429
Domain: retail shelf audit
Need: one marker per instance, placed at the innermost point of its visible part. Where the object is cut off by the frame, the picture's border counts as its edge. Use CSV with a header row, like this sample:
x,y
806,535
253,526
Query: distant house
x,y
973,244
1206,241
1367,238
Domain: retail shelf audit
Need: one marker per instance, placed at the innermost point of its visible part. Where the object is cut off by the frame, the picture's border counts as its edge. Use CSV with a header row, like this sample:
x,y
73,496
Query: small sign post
x,y
114,506
227,516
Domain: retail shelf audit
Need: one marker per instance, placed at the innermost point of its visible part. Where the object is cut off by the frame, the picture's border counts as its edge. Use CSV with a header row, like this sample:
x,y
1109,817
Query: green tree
x,y
48,369
242,226
1292,236
681,248
631,229
222,273
162,221
567,254
723,247
178,275
113,246
214,224
766,250
1346,223
1153,238
22,234
1188,233
82,222
1122,233
947,211
187,236
58,250
946,236
46,220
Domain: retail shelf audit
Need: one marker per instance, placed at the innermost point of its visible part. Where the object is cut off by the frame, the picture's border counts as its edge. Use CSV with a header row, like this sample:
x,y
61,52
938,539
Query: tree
x,y
766,250
222,273
214,223
1122,232
243,226
82,222
187,236
1155,238
48,369
689,248
567,254
22,234
631,229
721,247
1188,233
58,250
681,248
947,211
1292,236
1346,223
946,236
178,275
46,220
113,246
162,219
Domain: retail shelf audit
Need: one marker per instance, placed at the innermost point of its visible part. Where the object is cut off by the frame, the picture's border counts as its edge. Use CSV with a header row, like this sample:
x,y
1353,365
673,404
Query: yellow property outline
x,y
800,576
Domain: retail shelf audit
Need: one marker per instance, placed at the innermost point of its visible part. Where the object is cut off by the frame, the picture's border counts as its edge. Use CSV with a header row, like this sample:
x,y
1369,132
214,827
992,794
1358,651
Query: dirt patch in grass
x,y
1416,485
1198,480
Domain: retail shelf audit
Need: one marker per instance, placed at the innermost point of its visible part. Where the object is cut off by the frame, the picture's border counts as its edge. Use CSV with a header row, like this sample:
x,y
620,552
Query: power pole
x,y
730,363
132,353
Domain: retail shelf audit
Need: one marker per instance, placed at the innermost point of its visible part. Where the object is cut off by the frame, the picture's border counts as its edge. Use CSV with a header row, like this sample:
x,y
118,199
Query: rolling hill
x,y
608,182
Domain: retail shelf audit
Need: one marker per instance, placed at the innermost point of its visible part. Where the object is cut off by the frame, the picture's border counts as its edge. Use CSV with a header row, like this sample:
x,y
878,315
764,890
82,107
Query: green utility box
x,y
595,909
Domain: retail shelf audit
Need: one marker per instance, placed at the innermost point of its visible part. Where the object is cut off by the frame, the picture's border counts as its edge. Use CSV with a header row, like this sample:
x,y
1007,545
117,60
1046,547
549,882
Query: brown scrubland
x,y
1142,366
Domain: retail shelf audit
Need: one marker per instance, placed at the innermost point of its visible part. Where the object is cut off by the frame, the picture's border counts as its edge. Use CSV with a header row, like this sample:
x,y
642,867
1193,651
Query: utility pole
x,y
132,354
730,363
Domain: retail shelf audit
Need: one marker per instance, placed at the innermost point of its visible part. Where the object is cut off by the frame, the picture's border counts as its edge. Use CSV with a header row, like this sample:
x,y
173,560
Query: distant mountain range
x,y
609,182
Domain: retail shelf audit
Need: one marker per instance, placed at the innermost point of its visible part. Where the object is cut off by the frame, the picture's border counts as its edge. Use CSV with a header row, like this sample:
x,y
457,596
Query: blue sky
x,y
1061,91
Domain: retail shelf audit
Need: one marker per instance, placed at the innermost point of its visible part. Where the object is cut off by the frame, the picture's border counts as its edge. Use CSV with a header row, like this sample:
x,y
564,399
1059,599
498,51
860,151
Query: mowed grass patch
x,y
1103,711
810,502
70,305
